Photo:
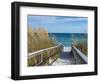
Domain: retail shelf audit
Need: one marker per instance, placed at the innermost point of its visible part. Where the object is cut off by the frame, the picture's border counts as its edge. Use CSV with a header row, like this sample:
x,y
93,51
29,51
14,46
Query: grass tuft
x,y
38,39
80,44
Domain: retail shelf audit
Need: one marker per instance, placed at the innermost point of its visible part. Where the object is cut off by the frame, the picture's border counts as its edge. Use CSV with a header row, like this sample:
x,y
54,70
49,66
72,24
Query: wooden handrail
x,y
39,51
79,56
40,56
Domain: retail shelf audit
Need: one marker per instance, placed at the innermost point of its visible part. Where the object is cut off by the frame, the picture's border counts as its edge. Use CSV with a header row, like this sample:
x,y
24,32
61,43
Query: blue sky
x,y
59,24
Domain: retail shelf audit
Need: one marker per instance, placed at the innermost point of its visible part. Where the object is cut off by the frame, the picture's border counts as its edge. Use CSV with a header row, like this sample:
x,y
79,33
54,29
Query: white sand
x,y
62,62
67,49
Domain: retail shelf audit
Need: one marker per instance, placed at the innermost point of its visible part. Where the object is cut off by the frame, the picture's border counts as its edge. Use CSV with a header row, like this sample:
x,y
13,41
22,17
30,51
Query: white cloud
x,y
54,19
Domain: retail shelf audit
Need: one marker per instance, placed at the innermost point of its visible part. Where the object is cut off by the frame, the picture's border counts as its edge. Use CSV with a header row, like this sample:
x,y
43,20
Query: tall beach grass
x,y
81,45
38,39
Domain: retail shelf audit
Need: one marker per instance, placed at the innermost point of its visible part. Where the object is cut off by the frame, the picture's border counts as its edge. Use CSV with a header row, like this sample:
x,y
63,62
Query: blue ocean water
x,y
67,38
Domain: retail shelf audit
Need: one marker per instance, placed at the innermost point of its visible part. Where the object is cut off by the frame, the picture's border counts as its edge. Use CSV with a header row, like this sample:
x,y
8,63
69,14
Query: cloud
x,y
59,23
42,19
54,19
68,19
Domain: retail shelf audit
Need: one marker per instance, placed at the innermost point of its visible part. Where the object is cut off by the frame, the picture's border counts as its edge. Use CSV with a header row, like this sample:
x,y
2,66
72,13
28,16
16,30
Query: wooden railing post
x,y
50,51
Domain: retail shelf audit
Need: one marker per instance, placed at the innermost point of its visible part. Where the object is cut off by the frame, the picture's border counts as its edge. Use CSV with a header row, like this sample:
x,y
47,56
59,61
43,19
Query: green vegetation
x,y
39,39
46,57
80,44
32,61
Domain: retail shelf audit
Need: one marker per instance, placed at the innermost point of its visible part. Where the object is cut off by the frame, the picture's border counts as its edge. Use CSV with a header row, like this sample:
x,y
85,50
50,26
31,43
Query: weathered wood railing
x,y
80,58
45,56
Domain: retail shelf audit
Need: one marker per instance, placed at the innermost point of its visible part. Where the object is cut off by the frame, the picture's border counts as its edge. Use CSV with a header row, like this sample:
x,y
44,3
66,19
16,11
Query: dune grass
x,y
81,45
39,39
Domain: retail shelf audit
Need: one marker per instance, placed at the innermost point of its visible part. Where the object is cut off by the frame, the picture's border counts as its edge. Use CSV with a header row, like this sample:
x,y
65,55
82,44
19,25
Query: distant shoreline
x,y
66,38
66,49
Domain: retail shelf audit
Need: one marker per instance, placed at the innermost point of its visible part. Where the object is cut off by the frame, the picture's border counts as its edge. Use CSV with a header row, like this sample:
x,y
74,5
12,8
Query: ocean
x,y
67,38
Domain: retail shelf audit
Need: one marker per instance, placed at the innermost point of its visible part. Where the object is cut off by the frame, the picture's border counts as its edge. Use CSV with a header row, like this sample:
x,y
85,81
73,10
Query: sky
x,y
59,24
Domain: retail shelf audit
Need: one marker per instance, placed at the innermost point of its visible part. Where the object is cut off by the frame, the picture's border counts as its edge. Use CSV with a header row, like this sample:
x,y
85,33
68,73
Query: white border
x,y
24,70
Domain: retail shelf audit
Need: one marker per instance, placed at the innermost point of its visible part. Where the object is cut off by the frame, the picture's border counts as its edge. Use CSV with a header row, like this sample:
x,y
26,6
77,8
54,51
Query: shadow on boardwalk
x,y
66,58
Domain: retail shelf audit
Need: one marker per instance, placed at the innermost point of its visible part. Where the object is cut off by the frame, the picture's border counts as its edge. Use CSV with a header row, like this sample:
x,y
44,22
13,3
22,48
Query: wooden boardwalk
x,y
66,58
44,56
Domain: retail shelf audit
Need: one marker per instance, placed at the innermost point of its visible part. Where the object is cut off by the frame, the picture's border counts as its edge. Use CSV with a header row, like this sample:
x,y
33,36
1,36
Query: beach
x,y
67,49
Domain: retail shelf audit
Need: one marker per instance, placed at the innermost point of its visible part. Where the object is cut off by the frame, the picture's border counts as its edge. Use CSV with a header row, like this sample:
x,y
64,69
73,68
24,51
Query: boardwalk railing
x,y
80,58
45,56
